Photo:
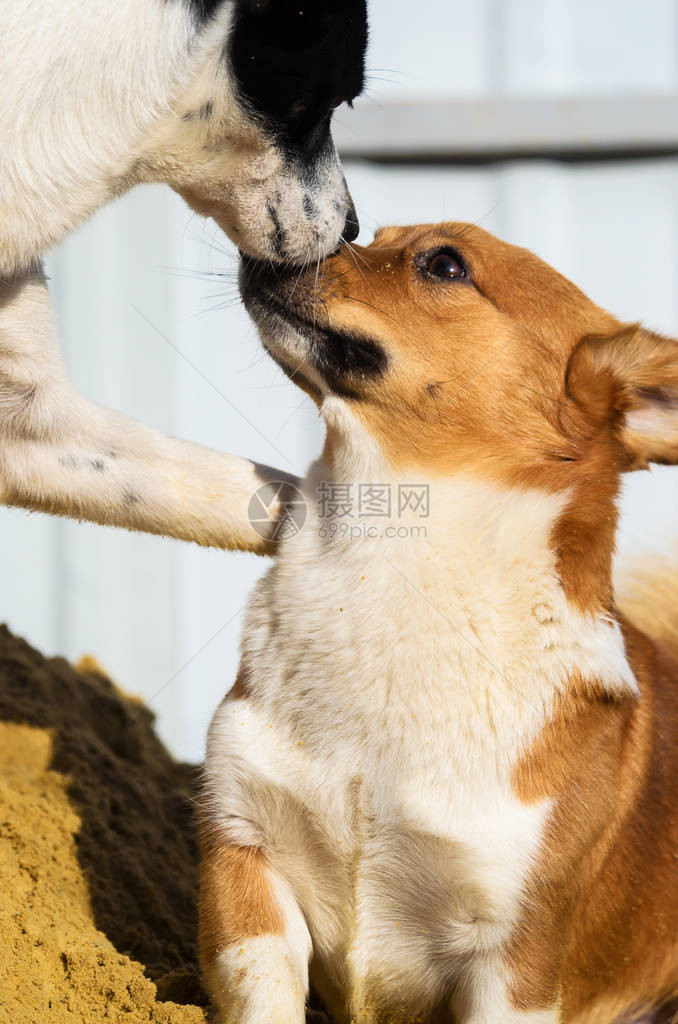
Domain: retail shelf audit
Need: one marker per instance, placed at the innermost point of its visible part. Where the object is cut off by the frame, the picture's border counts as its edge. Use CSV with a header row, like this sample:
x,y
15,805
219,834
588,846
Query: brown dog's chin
x,y
341,358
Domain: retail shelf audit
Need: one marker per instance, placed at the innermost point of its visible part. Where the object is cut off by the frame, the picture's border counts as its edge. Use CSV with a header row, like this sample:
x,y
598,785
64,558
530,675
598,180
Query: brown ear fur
x,y
630,381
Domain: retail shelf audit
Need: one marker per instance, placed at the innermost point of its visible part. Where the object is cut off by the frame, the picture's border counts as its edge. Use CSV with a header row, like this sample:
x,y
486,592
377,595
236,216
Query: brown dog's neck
x,y
583,518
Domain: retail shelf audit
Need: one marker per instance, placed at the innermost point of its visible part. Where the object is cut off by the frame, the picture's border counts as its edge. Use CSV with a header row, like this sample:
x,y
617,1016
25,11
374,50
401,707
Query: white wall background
x,y
164,618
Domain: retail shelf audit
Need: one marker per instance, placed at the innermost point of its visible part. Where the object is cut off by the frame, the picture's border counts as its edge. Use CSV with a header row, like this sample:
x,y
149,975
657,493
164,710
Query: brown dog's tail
x,y
648,595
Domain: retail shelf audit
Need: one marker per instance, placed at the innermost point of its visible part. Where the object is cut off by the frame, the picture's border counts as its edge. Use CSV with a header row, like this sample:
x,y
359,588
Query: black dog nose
x,y
351,226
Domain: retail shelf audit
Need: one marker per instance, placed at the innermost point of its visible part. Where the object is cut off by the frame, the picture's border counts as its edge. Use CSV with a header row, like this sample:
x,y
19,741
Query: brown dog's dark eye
x,y
446,265
443,263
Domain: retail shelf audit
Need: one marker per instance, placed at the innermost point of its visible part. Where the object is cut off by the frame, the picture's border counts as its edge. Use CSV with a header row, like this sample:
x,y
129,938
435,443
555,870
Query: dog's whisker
x,y
337,277
267,387
352,255
302,270
302,403
315,287
250,366
364,302
357,255
293,373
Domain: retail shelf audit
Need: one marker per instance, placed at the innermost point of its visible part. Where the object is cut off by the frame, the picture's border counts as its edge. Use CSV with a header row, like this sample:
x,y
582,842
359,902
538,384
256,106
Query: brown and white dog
x,y
446,777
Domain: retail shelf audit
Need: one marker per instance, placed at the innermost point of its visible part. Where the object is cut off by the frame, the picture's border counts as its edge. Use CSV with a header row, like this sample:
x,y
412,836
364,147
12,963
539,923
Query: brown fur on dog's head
x,y
460,352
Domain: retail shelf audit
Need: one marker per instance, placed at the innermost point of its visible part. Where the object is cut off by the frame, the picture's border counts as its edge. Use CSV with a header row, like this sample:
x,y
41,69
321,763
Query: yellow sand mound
x,y
98,854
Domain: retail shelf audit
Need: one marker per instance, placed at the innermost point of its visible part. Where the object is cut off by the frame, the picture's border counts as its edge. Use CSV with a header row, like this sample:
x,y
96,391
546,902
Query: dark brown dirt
x,y
98,853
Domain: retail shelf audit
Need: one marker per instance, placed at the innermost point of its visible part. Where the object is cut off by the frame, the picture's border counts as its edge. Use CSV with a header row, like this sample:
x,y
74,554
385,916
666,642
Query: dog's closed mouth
x,y
272,306
340,357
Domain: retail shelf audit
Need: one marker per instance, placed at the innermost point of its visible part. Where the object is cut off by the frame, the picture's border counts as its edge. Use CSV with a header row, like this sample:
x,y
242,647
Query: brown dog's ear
x,y
631,380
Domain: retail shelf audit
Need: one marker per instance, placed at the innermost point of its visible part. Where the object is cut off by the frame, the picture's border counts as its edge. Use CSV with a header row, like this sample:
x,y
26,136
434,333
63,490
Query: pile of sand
x,y
98,853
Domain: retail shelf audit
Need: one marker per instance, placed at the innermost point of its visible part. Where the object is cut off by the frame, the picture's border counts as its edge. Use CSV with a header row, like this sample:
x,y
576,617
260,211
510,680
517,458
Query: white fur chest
x,y
393,685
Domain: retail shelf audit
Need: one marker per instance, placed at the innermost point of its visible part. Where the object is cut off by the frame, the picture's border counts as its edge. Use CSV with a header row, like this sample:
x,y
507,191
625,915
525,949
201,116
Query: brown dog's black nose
x,y
352,226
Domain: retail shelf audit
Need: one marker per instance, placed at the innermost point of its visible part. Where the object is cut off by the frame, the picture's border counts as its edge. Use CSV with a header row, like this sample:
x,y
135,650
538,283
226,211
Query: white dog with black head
x,y
227,101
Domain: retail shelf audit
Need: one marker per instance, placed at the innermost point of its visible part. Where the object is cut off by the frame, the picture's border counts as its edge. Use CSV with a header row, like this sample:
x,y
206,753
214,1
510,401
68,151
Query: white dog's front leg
x,y
255,945
62,454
